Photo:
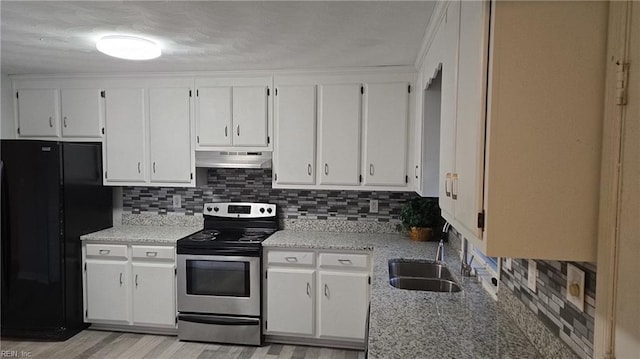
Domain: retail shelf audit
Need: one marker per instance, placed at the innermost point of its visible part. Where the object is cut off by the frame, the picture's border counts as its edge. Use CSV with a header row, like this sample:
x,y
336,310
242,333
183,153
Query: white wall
x,y
7,123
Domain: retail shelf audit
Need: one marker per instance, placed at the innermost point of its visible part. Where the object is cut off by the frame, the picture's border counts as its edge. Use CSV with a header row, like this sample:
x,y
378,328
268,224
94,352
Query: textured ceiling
x,y
48,37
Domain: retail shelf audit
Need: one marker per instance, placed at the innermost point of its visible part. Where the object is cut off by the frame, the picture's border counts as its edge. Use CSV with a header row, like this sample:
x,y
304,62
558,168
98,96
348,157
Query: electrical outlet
x,y
373,206
507,264
177,201
532,275
575,286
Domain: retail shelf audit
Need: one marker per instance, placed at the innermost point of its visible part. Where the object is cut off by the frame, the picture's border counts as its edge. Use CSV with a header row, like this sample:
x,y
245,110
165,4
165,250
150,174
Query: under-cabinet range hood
x,y
223,159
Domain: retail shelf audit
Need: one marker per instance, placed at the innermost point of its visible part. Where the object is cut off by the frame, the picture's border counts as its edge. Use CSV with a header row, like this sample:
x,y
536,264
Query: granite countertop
x,y
416,324
146,234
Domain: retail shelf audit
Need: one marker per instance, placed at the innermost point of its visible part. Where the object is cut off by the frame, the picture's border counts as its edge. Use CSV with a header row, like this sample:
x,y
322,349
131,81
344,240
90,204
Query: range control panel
x,y
240,210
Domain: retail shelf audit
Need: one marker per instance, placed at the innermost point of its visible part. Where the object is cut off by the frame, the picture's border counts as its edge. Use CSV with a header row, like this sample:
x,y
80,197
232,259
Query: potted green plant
x,y
421,217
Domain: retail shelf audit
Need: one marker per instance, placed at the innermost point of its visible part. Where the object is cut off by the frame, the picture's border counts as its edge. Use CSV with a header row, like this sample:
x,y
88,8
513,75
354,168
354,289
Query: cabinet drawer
x,y
153,252
288,257
355,261
107,250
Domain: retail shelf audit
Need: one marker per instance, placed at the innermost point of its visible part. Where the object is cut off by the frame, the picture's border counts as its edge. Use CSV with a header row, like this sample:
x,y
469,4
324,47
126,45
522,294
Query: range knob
x,y
269,210
209,209
261,210
216,209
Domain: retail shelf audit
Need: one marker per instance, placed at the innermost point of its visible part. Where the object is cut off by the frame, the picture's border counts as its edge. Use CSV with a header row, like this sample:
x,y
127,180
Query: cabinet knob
x,y
308,289
416,172
50,121
446,185
154,167
121,279
326,169
454,186
326,290
136,281
225,131
238,130
64,121
309,169
371,169
139,167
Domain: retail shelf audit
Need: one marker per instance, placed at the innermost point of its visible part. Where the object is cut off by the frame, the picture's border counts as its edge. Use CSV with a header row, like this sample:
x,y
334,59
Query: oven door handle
x,y
218,320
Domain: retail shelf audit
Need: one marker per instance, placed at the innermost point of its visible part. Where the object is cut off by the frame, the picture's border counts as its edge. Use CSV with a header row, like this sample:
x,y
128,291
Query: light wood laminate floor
x,y
104,344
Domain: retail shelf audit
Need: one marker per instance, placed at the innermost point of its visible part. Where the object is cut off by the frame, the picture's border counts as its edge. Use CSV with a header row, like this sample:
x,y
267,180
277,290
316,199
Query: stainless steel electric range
x,y
219,281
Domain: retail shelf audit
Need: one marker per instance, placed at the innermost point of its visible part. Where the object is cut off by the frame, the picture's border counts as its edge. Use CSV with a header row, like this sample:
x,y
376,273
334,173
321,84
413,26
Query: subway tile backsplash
x,y
254,185
549,303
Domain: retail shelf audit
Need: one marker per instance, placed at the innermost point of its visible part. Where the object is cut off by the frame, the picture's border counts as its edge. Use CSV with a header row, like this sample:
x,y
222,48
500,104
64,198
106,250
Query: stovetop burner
x,y
205,235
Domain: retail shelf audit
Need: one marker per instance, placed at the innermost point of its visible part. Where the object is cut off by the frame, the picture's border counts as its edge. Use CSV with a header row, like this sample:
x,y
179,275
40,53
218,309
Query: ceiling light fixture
x,y
128,47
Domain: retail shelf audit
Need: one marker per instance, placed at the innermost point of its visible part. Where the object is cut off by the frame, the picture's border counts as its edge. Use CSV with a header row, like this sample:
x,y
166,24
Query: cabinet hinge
x,y
266,325
18,130
17,94
103,94
481,219
268,92
369,279
265,275
276,91
409,89
86,313
268,140
85,267
275,176
105,174
191,177
103,130
622,73
406,179
360,178
190,93
362,90
175,271
197,93
198,139
176,319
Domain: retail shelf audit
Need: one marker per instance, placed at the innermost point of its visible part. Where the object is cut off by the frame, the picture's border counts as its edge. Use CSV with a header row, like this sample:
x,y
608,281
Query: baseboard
x,y
327,343
135,329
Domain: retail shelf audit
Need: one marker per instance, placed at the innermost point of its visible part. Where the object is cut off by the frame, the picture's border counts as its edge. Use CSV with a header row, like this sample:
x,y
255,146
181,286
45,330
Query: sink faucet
x,y
440,252
466,268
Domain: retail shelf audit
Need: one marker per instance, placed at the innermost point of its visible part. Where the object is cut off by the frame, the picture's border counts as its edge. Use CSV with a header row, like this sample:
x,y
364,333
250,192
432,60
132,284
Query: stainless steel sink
x,y
421,275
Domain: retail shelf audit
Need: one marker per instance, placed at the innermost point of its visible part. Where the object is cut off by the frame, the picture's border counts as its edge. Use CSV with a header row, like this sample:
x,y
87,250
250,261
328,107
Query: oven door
x,y
219,284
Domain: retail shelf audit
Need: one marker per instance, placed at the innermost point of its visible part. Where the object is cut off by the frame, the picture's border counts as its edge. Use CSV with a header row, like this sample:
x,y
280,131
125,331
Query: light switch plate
x,y
177,201
373,206
532,275
575,276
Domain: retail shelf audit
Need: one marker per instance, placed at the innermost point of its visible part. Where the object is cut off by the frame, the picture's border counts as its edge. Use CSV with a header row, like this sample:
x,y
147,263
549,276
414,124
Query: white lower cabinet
x,y
317,297
107,287
290,297
340,310
153,294
130,286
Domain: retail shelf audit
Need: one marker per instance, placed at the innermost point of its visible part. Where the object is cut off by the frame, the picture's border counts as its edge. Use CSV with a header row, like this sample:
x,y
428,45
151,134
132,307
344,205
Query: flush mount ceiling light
x,y
128,47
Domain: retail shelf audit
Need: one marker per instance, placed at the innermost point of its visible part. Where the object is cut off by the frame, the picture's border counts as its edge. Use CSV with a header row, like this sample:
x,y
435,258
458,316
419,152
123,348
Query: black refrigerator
x,y
52,193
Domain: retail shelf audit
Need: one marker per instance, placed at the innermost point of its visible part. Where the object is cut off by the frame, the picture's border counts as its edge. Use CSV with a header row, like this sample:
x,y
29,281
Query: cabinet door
x,y
385,134
295,113
339,134
107,287
470,121
214,116
250,116
38,113
170,135
344,298
125,135
290,294
154,294
81,113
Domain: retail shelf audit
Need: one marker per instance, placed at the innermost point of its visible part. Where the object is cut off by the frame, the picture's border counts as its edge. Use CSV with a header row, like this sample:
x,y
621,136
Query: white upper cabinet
x,y
295,113
63,113
38,113
516,121
82,112
250,116
233,113
362,119
170,135
340,109
385,134
214,116
125,144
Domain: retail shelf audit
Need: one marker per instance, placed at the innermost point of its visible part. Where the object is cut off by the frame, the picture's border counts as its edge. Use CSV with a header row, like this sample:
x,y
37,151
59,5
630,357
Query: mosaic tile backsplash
x,y
549,304
254,185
